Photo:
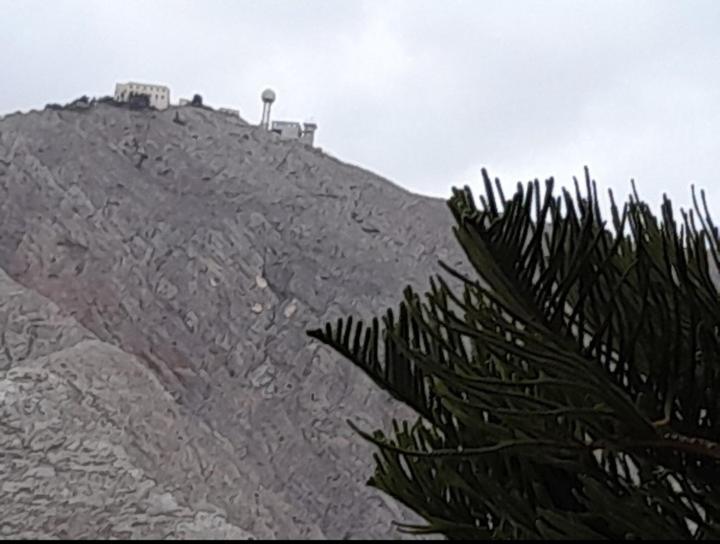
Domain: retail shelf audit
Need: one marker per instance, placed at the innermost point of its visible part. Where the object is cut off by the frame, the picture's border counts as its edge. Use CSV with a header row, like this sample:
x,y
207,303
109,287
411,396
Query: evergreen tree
x,y
570,390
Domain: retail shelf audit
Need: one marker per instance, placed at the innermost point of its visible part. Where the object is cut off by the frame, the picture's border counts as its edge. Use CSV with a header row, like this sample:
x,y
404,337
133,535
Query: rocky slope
x,y
185,254
80,451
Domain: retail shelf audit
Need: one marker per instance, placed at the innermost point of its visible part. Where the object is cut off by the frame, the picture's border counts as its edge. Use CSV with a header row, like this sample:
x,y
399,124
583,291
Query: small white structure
x,y
185,102
290,130
287,129
268,97
308,133
229,111
158,95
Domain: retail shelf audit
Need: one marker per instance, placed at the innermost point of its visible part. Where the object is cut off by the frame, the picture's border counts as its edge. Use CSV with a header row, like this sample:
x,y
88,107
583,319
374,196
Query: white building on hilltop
x,y
158,95
308,133
288,130
291,130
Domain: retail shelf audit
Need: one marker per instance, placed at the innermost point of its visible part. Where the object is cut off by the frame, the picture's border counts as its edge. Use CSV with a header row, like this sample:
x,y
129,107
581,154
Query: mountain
x,y
80,440
160,270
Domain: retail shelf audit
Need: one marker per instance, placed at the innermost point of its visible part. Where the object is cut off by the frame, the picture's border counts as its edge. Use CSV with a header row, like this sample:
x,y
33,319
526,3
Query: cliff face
x,y
193,251
91,443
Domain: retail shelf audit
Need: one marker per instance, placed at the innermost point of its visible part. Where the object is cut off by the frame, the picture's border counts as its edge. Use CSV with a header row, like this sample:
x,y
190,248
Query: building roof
x,y
146,85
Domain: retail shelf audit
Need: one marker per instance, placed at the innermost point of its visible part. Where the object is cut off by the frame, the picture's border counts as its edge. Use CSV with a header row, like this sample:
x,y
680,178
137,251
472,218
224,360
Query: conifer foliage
x,y
569,387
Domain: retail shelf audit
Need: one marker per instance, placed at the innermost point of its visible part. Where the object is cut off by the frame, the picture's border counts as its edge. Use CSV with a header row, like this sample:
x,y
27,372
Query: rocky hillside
x,y
91,443
169,385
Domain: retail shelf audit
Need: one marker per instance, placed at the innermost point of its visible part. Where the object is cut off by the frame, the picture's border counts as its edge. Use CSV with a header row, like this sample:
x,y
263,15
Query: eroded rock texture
x,y
169,388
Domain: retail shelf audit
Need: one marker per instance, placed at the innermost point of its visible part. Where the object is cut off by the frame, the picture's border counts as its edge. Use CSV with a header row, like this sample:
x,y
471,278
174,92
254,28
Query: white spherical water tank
x,y
268,97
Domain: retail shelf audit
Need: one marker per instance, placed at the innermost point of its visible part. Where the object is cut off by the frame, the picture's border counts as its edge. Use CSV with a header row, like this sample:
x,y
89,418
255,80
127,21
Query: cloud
x,y
423,92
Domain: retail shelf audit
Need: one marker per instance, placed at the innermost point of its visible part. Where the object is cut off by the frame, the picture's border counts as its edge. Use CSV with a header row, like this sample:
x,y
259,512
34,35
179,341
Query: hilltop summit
x,y
191,251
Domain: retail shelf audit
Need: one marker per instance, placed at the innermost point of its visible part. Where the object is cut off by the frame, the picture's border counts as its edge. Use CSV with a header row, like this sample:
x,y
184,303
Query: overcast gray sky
x,y
424,92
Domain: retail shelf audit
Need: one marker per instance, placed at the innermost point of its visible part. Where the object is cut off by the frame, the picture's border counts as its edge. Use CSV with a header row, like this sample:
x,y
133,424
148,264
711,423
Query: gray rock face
x,y
170,381
92,445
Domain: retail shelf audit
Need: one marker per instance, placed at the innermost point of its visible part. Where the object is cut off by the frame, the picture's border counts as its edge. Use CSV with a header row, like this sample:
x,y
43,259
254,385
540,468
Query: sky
x,y
422,92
